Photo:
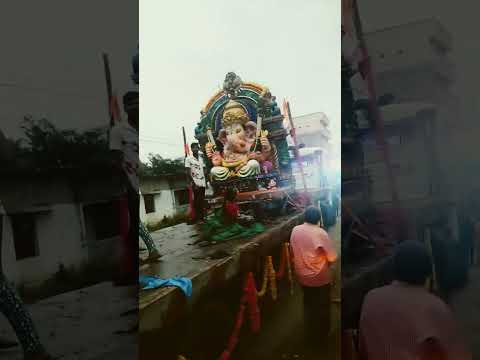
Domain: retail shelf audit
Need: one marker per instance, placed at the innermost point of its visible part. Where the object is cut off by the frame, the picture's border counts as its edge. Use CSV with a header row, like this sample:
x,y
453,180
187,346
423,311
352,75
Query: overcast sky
x,y
187,47
52,55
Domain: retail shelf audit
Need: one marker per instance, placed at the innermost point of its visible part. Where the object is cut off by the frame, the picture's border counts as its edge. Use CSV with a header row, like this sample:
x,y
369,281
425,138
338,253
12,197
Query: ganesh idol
x,y
243,155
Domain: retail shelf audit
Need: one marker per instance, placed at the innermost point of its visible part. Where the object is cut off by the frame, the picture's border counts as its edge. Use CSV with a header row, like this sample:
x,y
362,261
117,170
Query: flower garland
x,y
286,263
289,267
249,300
273,278
264,288
269,278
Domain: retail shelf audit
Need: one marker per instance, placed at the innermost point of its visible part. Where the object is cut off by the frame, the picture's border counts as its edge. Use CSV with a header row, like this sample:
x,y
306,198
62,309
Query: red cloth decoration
x,y
193,215
248,300
124,227
251,295
232,209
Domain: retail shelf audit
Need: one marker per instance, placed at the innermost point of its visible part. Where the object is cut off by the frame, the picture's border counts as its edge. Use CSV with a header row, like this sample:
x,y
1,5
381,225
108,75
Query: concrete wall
x,y
407,45
409,65
408,140
64,235
165,205
163,191
59,241
143,213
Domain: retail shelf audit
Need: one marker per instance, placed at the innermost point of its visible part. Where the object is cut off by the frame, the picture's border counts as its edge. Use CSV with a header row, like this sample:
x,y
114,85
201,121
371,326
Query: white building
x,y
312,130
57,220
315,141
413,63
162,196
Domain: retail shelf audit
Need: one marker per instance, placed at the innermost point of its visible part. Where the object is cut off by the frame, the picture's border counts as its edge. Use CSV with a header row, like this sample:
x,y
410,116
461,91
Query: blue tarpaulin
x,y
153,282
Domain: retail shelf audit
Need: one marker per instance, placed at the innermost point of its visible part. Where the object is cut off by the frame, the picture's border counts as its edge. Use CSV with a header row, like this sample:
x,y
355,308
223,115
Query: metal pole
x,y
185,145
297,152
379,125
108,79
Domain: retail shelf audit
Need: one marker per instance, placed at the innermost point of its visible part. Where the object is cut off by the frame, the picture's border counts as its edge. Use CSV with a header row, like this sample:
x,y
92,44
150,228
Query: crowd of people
x,y
402,320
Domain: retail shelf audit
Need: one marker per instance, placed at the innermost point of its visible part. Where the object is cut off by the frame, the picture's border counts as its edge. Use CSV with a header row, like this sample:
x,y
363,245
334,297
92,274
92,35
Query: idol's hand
x,y
266,147
216,159
209,150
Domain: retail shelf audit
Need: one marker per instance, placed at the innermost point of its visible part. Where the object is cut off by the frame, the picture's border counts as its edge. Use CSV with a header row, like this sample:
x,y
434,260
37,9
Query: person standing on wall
x,y
125,149
313,255
195,169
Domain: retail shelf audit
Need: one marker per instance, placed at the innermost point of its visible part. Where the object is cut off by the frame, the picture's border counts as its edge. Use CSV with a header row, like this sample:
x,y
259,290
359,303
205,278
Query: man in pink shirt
x,y
403,321
313,253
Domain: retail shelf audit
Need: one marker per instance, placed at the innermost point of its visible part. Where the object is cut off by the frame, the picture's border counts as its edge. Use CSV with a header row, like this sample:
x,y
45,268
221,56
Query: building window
x,y
103,219
181,197
149,200
25,236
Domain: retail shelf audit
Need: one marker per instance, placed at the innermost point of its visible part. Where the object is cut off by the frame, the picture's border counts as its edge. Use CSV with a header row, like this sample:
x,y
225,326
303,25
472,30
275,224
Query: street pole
x,y
185,145
108,79
379,125
189,186
299,159
297,152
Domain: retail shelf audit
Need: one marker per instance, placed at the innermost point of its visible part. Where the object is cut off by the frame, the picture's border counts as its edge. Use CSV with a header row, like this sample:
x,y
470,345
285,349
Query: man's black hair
x,y
194,144
312,215
412,263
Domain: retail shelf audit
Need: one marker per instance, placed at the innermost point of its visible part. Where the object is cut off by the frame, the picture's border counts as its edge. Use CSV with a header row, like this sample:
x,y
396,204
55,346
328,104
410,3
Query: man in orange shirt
x,y
313,253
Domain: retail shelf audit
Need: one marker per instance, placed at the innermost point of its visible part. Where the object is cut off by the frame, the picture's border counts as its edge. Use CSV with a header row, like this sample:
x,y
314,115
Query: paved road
x,y
81,325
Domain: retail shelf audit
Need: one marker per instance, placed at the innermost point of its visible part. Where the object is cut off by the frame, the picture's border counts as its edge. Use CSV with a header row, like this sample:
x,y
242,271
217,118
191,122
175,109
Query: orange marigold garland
x,y
264,288
250,296
272,278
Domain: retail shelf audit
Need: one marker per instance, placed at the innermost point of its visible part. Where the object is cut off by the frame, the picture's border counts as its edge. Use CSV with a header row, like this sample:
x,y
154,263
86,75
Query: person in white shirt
x,y
124,147
196,176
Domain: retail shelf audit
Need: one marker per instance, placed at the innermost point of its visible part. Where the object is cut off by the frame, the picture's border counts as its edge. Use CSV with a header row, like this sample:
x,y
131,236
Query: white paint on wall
x,y
164,206
59,241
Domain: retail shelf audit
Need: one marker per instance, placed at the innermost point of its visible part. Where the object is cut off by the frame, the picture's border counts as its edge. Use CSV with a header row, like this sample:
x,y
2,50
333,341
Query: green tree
x,y
45,146
158,166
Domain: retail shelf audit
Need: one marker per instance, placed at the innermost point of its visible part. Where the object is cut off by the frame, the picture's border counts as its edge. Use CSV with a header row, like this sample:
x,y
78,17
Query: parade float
x,y
246,281
243,139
